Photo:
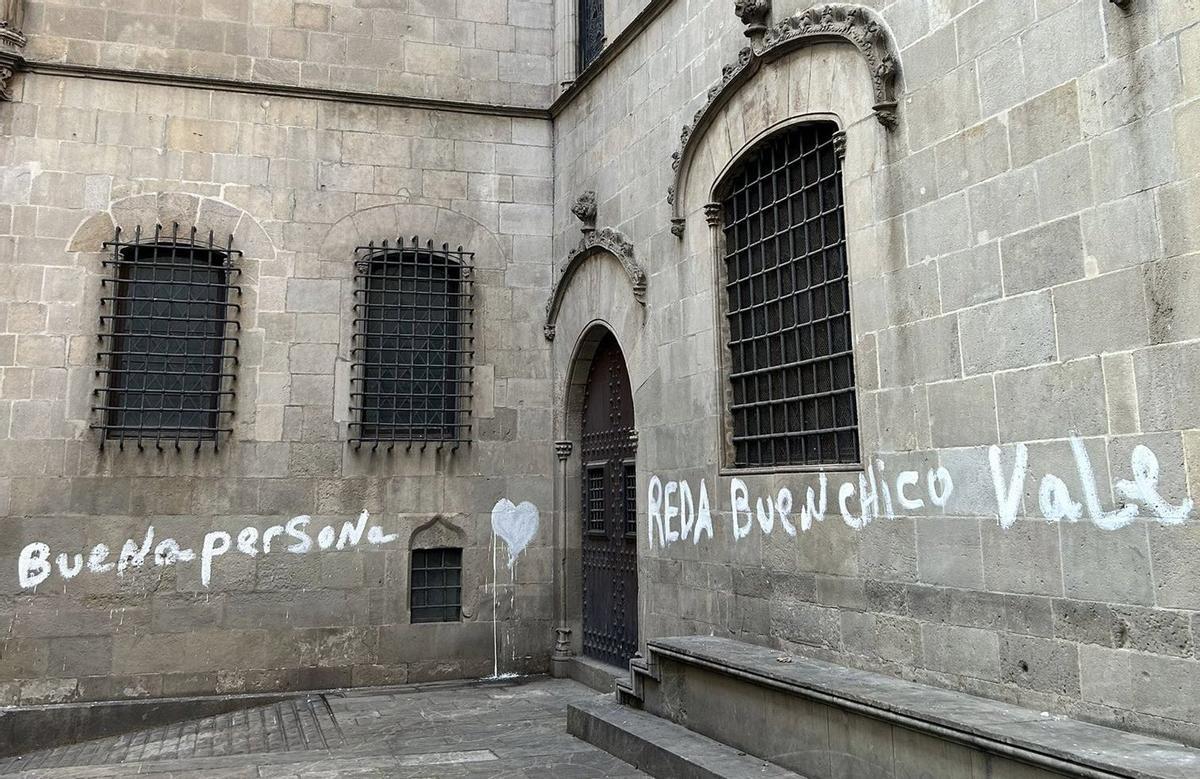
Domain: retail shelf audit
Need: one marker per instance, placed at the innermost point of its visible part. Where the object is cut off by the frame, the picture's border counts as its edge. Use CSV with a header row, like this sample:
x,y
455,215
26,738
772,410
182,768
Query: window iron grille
x,y
168,339
593,498
629,495
435,585
791,369
591,31
412,356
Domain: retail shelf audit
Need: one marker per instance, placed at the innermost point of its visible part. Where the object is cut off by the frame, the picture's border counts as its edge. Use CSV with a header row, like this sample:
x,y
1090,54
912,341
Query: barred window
x,y
591,31
169,337
791,366
593,499
435,585
413,345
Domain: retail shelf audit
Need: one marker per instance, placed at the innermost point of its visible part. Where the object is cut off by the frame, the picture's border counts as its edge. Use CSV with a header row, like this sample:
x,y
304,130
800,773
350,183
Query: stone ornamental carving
x,y
753,14
584,210
854,24
12,42
605,240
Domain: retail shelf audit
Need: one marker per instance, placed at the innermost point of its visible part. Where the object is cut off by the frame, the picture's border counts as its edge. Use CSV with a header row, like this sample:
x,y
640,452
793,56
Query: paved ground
x,y
500,730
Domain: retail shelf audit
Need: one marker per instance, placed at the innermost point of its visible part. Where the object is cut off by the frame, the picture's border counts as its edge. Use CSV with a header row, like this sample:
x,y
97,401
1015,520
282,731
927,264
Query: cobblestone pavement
x,y
500,730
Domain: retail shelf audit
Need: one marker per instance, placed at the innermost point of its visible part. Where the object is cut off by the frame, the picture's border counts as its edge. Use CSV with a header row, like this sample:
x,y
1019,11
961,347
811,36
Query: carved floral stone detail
x,y
753,14
605,240
12,43
854,24
584,210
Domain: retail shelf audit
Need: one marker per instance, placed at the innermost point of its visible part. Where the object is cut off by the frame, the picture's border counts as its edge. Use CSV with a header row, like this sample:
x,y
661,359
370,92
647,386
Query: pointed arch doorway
x,y
608,449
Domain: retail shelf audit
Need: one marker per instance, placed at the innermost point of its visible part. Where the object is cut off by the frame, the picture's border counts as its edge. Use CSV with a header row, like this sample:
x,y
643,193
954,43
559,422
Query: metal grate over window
x,y
435,585
591,31
791,364
169,338
629,495
413,345
593,498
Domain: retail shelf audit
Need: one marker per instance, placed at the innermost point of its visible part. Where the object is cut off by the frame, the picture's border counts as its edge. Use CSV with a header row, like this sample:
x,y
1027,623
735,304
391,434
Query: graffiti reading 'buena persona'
x,y
36,564
879,493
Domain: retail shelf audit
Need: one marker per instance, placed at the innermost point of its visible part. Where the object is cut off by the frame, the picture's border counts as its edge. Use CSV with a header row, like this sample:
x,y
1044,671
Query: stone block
x,y
1054,399
1180,227
1022,559
1043,256
970,277
1134,157
1065,182
1106,313
1039,664
314,296
986,24
962,651
1107,566
1156,631
963,413
1004,205
1002,82
939,228
1168,386
1044,124
949,105
923,351
1173,551
949,552
1010,333
1130,87
976,154
1052,58
903,418
1122,232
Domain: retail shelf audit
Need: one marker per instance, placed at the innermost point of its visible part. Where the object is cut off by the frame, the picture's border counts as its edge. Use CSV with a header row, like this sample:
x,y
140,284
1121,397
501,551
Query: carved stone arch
x,y
182,208
857,25
436,533
595,242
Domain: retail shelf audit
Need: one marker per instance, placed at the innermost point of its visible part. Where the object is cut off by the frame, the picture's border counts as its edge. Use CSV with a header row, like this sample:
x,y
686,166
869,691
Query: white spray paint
x,y
516,524
874,494
34,567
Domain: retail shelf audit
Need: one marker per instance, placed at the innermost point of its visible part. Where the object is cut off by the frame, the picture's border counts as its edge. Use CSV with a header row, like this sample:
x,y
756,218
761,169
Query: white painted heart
x,y
517,525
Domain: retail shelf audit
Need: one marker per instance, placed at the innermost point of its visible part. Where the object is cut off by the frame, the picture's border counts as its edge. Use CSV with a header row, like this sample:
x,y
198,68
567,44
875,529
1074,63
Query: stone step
x,y
660,747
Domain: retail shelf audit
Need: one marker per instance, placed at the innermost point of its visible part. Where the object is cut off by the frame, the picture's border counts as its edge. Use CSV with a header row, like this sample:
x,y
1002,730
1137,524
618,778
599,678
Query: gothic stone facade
x,y
1022,226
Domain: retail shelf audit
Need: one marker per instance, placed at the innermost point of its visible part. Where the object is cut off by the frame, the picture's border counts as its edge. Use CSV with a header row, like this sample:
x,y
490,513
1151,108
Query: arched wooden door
x,y
610,587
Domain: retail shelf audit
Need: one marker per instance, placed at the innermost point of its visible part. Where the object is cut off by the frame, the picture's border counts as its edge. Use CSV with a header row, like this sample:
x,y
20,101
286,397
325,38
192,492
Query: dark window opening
x,y
168,340
629,496
591,31
593,499
413,346
791,366
435,585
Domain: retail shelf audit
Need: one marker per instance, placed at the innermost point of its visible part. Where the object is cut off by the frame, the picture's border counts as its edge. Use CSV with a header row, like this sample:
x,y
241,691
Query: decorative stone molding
x,y
753,14
584,210
838,22
603,241
12,43
712,214
563,449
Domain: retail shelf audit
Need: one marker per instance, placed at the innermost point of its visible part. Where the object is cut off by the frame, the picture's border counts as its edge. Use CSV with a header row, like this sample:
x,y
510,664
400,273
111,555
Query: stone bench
x,y
824,720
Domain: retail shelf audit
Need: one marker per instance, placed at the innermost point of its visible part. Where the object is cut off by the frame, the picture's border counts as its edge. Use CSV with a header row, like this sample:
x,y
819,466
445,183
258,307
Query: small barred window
x,y
435,585
791,362
169,338
413,346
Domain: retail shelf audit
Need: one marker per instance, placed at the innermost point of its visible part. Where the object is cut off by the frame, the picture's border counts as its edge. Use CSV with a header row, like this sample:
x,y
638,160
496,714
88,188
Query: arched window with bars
x,y
169,338
413,345
789,361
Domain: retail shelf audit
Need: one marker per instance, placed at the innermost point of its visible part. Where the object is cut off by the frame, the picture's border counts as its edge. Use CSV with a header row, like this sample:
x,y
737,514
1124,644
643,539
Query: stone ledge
x,y
661,748
598,675
1054,743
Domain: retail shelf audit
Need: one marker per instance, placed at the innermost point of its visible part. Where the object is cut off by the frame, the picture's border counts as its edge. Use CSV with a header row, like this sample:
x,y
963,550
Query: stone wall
x,y
1022,249
299,184
489,51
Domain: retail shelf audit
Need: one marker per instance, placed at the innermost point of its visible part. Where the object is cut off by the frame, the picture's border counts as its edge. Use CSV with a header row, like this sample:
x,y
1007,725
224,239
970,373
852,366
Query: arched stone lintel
x,y
833,22
594,242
